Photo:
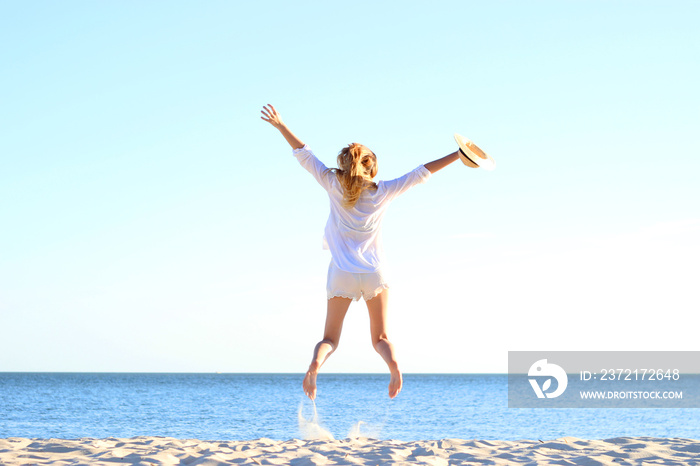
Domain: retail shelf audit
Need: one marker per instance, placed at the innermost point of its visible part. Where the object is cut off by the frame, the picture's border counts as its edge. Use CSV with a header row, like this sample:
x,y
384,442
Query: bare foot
x,y
310,383
395,383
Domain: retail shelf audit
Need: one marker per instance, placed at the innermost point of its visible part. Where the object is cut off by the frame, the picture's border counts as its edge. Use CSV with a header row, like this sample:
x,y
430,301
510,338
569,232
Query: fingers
x,y
269,114
266,115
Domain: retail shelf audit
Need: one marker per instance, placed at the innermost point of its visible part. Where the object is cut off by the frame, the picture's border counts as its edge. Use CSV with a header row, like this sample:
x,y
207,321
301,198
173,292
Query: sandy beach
x,y
361,451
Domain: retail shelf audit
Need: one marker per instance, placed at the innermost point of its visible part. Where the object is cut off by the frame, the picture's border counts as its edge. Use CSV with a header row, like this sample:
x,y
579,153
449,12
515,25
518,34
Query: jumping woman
x,y
353,236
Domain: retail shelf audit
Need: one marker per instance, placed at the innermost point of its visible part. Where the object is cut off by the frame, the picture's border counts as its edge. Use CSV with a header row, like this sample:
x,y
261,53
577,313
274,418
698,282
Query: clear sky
x,y
150,221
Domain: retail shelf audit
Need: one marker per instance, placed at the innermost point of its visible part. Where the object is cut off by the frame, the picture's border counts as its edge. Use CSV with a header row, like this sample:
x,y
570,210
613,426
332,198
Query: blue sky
x,y
152,222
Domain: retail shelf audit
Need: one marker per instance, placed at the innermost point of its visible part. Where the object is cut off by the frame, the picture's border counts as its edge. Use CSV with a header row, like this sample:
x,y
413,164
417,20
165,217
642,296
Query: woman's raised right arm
x,y
439,164
271,116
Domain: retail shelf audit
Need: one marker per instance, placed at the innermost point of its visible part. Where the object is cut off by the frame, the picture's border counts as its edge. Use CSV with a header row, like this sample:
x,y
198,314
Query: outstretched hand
x,y
271,116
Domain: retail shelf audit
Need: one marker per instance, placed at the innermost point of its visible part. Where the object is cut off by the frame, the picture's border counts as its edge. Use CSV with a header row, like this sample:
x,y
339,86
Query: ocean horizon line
x,y
246,373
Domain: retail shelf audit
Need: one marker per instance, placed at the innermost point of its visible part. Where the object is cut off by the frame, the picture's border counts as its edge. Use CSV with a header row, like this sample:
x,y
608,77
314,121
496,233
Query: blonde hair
x,y
357,165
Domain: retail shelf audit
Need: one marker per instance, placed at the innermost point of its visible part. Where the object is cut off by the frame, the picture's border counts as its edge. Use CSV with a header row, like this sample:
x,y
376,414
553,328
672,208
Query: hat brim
x,y
472,155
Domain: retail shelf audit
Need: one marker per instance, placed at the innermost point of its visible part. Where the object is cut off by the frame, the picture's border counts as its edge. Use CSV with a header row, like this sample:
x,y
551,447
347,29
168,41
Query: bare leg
x,y
337,307
377,307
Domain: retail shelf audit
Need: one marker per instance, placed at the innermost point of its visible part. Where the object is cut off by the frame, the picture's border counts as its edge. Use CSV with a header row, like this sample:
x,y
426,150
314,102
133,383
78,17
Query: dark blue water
x,y
249,406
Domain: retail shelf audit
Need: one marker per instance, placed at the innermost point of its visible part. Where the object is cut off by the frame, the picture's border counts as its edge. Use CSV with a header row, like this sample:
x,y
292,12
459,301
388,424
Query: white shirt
x,y
353,235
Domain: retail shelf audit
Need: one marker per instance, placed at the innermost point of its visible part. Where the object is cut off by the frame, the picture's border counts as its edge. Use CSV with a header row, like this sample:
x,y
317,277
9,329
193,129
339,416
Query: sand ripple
x,y
148,451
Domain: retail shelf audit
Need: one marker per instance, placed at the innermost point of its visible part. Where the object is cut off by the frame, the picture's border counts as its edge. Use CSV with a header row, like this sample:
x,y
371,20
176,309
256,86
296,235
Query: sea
x,y
251,406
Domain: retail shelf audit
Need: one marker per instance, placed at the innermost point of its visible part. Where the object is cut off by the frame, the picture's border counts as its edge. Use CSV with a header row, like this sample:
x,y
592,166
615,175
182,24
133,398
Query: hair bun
x,y
357,165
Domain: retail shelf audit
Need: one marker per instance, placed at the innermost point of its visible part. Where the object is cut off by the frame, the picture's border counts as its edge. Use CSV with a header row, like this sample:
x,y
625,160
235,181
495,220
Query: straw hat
x,y
472,156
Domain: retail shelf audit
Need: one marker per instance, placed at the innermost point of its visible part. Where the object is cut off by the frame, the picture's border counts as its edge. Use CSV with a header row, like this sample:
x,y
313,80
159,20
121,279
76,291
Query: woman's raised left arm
x,y
271,116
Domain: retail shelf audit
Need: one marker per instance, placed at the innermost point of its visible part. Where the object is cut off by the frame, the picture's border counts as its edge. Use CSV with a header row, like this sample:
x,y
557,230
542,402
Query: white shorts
x,y
353,285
